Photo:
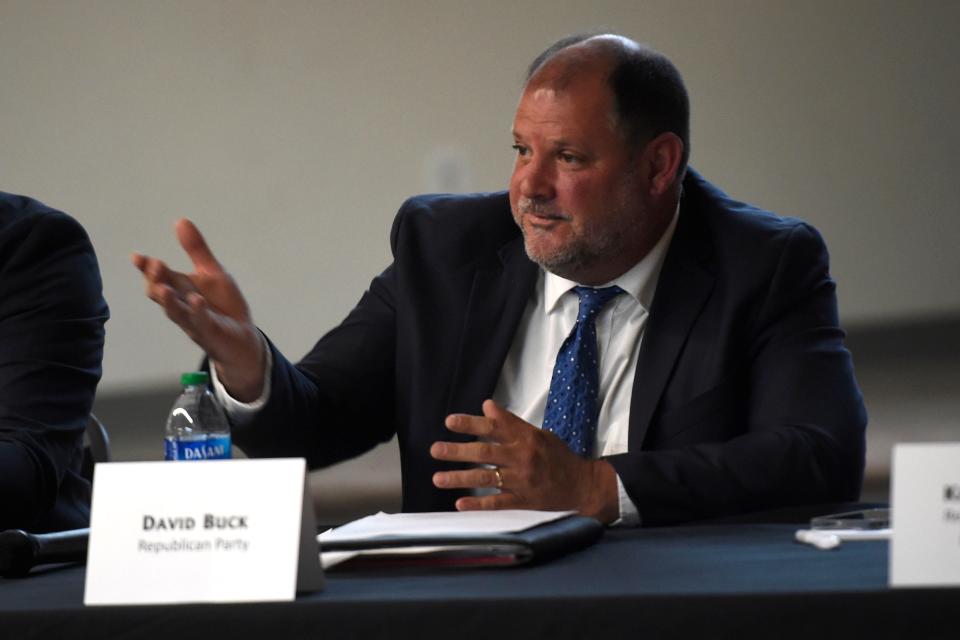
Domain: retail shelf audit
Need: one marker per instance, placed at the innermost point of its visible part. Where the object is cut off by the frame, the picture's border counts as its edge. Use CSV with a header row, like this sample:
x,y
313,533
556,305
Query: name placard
x,y
208,531
925,513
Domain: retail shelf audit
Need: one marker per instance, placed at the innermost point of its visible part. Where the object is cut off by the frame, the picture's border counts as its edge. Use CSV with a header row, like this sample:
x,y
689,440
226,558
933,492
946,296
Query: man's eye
x,y
520,149
569,158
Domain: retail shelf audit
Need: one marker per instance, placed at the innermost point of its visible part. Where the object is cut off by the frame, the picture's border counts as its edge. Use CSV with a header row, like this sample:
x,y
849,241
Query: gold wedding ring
x,y
496,471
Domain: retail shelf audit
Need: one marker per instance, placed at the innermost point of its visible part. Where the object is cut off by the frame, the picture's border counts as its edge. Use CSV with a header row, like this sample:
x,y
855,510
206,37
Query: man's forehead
x,y
544,92
563,81
584,91
561,115
576,80
567,73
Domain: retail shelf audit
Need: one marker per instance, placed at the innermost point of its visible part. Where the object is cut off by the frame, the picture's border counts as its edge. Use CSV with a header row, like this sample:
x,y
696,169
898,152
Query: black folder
x,y
530,546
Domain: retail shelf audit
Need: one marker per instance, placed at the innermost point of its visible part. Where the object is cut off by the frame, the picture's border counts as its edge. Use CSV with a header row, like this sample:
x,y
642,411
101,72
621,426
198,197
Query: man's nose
x,y
537,180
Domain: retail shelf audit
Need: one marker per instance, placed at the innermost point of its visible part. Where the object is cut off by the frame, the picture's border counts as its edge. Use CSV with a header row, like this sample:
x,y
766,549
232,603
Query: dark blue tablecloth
x,y
730,580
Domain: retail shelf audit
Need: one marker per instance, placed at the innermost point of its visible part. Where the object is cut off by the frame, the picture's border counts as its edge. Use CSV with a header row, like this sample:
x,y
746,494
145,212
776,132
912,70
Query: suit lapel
x,y
503,285
500,292
685,284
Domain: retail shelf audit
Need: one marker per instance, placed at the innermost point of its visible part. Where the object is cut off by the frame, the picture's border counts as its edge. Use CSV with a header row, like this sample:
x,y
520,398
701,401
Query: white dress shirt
x,y
547,320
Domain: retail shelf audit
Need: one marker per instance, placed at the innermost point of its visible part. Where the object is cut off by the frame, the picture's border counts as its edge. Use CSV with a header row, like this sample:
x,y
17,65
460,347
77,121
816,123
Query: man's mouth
x,y
540,216
544,221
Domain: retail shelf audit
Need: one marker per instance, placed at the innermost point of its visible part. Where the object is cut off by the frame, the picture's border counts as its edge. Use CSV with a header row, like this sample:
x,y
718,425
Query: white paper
x,y
441,523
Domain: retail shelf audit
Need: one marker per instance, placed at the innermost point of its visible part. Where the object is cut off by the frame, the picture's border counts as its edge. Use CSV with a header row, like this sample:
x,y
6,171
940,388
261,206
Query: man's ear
x,y
663,156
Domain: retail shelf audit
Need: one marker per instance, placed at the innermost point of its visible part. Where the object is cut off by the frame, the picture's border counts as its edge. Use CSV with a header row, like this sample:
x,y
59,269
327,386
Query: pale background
x,y
291,132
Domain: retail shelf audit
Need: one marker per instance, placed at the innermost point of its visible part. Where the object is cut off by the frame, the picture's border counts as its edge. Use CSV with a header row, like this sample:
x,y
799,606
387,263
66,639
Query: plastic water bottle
x,y
197,428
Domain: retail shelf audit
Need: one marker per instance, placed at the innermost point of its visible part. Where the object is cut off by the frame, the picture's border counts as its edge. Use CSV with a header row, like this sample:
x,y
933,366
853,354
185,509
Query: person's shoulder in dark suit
x,y
771,260
454,229
764,389
738,229
52,316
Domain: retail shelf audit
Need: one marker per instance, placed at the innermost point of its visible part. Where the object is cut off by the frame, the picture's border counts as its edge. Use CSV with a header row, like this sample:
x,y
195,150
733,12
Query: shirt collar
x,y
639,282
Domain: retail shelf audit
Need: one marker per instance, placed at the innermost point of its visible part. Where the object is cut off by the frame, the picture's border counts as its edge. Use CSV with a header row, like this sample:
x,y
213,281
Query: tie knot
x,y
593,300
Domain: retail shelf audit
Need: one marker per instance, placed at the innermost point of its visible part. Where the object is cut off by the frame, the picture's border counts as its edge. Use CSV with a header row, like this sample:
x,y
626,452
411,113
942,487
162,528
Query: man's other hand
x,y
209,307
536,469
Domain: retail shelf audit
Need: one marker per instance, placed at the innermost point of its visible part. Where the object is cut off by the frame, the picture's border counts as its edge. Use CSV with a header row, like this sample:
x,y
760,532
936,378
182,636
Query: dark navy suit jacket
x,y
744,397
52,314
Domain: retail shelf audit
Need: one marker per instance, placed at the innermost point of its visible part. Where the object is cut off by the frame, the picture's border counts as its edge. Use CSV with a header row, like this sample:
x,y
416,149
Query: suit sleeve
x,y
52,314
801,440
338,401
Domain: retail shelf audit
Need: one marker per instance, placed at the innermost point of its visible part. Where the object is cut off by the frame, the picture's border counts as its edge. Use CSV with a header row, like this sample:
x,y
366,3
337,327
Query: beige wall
x,y
291,131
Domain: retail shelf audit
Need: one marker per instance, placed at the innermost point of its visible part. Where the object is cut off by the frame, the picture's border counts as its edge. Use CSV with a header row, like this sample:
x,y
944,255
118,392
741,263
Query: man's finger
x,y
139,260
173,305
202,316
153,269
473,425
160,292
213,330
476,452
192,315
495,412
470,479
495,424
156,272
196,247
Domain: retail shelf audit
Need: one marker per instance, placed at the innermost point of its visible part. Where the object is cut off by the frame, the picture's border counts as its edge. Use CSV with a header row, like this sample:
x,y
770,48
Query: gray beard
x,y
574,259
596,245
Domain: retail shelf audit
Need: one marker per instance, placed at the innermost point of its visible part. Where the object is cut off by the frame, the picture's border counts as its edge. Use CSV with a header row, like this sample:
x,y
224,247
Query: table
x,y
714,581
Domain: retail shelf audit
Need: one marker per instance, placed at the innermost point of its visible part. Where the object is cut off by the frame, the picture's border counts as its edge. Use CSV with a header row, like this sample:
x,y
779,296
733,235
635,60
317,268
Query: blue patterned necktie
x,y
572,409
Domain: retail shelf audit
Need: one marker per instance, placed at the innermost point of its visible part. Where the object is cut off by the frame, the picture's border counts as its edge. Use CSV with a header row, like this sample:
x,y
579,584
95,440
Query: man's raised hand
x,y
209,307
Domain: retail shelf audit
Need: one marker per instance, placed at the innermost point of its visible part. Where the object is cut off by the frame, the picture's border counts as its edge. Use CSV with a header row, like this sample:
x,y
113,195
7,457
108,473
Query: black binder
x,y
531,546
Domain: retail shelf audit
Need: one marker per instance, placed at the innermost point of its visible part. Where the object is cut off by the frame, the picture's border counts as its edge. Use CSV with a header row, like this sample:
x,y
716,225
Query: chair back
x,y
96,446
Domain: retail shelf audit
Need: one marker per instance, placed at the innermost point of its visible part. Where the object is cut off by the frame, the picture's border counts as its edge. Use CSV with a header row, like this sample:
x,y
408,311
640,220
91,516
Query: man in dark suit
x,y
52,314
681,350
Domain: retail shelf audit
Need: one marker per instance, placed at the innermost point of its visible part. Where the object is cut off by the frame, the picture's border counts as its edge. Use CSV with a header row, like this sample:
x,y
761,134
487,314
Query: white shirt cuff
x,y
242,412
629,514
